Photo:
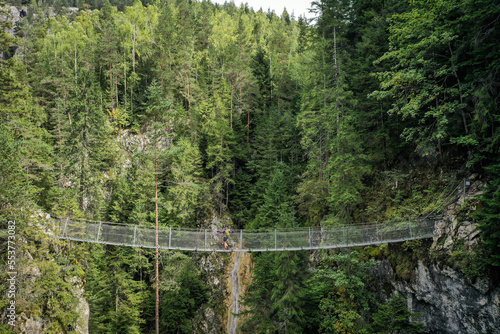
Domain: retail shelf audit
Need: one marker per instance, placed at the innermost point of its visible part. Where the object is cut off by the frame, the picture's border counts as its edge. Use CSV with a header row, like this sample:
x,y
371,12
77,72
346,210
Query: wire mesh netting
x,y
244,240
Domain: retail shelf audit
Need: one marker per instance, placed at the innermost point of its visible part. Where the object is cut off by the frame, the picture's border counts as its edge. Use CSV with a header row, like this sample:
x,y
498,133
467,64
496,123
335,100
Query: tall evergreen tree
x,y
489,217
337,161
116,288
279,288
277,209
185,187
394,317
183,293
87,149
219,139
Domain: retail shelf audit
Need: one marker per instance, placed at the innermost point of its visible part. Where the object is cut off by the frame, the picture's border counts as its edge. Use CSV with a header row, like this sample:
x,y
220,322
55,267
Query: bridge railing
x,y
244,240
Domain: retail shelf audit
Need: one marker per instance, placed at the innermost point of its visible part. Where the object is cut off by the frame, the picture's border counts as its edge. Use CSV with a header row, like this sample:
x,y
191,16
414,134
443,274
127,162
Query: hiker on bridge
x,y
225,231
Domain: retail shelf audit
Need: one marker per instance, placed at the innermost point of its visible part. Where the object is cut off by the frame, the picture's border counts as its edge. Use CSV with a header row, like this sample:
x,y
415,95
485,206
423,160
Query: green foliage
x,y
87,149
49,277
115,288
277,209
183,292
216,130
404,257
338,286
24,142
437,93
277,291
276,298
259,308
187,189
16,190
472,262
394,317
289,292
489,217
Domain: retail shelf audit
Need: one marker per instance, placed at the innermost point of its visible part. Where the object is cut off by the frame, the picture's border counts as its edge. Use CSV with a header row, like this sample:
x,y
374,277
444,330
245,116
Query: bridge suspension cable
x,y
303,238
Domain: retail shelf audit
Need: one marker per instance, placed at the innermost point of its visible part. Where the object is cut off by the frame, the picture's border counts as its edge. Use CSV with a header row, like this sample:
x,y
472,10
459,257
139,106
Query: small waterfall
x,y
235,306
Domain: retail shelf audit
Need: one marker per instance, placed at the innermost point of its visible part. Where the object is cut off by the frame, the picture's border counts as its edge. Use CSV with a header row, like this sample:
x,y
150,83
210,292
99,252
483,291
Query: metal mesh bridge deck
x,y
243,240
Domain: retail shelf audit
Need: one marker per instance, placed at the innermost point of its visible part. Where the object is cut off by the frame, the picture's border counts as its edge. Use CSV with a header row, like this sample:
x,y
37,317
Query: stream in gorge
x,y
234,308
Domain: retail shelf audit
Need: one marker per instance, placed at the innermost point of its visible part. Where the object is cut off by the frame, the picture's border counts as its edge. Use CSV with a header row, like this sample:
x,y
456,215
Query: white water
x,y
235,306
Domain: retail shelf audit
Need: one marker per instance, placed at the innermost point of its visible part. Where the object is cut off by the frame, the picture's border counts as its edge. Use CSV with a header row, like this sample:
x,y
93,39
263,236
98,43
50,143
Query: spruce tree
x,y
488,217
394,317
277,291
88,149
116,288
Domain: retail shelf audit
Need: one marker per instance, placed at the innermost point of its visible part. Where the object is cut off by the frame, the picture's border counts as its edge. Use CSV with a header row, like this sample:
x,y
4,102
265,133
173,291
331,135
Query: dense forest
x,y
252,118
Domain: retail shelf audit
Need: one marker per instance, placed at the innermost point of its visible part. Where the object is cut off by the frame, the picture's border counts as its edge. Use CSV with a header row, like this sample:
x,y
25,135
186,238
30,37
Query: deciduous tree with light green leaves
x,y
439,76
339,286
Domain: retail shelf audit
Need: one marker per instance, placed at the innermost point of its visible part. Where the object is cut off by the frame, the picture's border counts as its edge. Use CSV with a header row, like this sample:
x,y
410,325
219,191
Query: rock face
x,y
238,282
210,320
32,268
14,15
448,300
83,310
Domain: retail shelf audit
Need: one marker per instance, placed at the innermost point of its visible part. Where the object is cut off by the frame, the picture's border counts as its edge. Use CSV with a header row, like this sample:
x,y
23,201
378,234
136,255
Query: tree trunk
x,y
157,313
232,89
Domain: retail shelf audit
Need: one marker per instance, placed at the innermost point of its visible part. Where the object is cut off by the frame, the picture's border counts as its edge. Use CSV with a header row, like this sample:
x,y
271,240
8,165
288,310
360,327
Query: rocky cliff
x,y
448,300
50,284
442,279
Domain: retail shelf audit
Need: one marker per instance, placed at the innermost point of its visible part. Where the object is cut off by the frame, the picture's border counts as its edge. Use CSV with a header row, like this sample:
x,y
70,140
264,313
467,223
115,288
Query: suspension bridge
x,y
262,240
244,240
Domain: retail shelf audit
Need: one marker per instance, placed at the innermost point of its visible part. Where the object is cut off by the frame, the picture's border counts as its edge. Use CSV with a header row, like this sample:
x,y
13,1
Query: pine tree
x,y
278,288
185,186
17,191
183,292
289,291
219,139
259,311
489,217
394,317
331,137
88,148
277,208
116,288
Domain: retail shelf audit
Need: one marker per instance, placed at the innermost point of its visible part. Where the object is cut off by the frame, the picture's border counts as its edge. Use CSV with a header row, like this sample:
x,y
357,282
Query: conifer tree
x,y
185,187
183,293
336,158
394,317
17,191
279,285
277,208
259,313
489,217
88,148
219,138
116,288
